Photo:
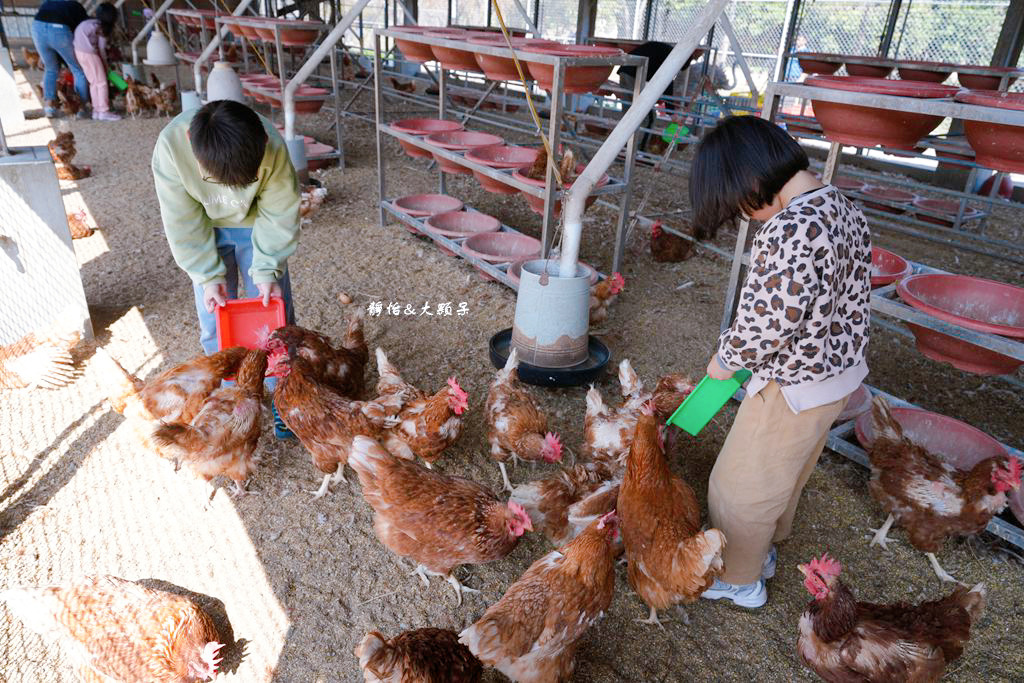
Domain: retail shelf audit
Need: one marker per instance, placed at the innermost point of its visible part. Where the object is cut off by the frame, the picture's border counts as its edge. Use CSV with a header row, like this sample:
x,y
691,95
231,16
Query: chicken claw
x,y
940,572
881,535
506,484
324,487
459,588
421,572
652,619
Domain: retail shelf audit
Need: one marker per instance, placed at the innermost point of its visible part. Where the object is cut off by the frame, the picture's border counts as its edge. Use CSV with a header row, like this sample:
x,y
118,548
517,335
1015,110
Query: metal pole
x,y
526,17
627,178
903,30
145,29
890,27
737,51
648,9
547,231
786,41
379,107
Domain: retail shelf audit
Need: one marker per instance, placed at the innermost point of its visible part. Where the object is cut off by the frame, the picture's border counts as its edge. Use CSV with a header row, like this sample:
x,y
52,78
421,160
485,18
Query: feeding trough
x,y
858,404
501,156
315,149
972,302
414,50
501,247
452,58
996,145
578,79
889,194
423,205
870,126
988,80
504,68
585,372
819,62
537,203
423,127
872,67
947,208
930,72
460,141
298,33
887,267
847,184
516,268
457,225
551,341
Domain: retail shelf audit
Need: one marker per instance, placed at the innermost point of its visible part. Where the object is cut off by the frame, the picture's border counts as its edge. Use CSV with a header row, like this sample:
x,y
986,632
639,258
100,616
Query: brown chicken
x,y
669,394
671,560
62,148
342,368
402,87
136,97
78,224
222,438
602,295
175,395
70,102
515,426
43,358
436,520
119,630
926,495
426,655
563,504
566,167
532,633
669,248
607,432
843,640
324,421
310,199
427,425
32,59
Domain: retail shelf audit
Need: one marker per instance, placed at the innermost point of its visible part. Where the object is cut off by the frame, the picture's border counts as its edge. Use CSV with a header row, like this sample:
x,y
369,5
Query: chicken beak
x,y
803,569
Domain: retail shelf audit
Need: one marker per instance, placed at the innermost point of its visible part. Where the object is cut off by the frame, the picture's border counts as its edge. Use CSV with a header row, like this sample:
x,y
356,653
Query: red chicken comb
x,y
618,282
522,518
458,399
1009,475
656,228
825,566
608,519
552,447
209,661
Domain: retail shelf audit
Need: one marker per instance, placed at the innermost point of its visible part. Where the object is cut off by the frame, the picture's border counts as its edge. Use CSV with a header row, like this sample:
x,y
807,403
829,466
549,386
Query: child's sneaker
x,y
49,111
750,595
280,430
105,116
768,568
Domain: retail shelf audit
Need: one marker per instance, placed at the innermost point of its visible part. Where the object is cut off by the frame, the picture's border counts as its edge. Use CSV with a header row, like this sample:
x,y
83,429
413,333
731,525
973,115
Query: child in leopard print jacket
x,y
801,327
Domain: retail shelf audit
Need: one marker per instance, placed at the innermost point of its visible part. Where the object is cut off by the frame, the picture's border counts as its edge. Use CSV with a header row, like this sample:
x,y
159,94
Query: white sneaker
x,y
768,568
105,116
750,595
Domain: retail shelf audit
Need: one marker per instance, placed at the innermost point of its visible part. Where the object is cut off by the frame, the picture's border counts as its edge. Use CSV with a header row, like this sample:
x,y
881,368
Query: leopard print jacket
x,y
804,309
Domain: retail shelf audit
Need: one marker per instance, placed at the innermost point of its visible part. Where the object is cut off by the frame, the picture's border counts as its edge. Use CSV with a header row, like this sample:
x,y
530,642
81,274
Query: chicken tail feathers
x,y
368,458
181,436
883,424
510,367
974,602
33,607
123,383
629,382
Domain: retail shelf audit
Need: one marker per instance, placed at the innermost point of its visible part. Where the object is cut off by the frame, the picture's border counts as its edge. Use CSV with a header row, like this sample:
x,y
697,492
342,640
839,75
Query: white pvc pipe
x,y
313,62
197,75
576,197
145,29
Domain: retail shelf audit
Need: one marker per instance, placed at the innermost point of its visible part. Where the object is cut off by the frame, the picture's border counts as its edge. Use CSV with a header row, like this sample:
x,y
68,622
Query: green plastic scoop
x,y
705,401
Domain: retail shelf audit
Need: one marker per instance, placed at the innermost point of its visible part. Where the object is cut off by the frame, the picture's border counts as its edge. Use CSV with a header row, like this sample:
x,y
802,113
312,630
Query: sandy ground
x,y
301,580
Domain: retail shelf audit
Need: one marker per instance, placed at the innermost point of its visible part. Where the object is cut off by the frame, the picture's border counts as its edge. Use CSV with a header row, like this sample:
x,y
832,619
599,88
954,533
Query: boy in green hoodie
x,y
229,199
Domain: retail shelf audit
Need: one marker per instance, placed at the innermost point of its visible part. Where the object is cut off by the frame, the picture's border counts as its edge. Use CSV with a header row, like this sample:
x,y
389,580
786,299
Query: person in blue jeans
x,y
53,30
229,200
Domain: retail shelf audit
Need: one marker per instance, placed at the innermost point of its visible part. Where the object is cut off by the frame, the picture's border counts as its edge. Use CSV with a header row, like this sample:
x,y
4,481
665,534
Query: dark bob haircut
x,y
107,16
228,140
739,167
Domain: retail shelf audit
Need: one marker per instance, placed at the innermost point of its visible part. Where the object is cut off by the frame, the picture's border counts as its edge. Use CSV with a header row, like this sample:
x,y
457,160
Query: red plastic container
x,y
870,126
930,72
246,322
996,145
504,68
537,203
956,442
578,79
420,205
460,141
947,207
887,267
423,127
987,81
416,51
461,224
890,194
872,70
501,156
819,62
971,302
501,247
315,148
845,184
858,404
452,58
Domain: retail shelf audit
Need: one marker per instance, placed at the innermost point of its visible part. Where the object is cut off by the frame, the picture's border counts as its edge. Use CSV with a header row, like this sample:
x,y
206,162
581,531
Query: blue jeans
x,y
52,40
234,245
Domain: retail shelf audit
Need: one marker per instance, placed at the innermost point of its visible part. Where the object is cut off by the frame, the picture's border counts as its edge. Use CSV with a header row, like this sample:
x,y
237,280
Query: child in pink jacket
x,y
91,51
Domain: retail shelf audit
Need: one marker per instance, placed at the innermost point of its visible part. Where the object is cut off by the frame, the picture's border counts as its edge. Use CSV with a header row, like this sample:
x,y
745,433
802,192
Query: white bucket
x,y
552,315
190,100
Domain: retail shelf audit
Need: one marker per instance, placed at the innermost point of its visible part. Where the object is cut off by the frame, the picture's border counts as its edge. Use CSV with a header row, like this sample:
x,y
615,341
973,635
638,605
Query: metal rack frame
x,y
550,192
883,300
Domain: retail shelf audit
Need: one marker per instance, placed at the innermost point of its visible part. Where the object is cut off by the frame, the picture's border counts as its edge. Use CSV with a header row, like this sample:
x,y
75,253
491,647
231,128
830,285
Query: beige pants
x,y
756,482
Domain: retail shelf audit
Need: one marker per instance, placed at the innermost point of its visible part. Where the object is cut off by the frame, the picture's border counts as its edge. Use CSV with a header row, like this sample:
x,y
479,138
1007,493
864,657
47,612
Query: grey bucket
x,y
552,315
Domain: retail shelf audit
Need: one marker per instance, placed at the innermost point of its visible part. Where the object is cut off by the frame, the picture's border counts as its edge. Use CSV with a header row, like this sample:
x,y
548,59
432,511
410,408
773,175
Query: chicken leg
x,y
939,571
459,588
881,535
652,619
506,484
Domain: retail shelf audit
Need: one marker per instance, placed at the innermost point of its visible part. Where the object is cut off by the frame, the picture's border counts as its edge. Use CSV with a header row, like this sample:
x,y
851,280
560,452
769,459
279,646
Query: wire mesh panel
x,y
959,32
850,28
620,19
558,18
472,13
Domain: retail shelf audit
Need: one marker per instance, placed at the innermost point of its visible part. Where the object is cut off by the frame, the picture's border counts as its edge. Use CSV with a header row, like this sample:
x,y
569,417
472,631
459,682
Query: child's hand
x,y
267,290
214,296
716,371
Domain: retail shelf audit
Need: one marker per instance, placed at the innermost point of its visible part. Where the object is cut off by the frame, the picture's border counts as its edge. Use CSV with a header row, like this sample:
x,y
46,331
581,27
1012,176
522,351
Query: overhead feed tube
x,y
575,201
313,62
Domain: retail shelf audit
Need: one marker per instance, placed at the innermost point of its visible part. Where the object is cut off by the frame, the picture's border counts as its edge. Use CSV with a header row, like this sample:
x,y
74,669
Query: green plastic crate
x,y
705,401
116,79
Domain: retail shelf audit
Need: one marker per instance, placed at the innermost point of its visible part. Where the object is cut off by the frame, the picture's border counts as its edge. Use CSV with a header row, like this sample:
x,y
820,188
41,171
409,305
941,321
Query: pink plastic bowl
x,y
987,81
423,127
933,72
316,149
459,224
450,57
889,194
420,205
848,184
819,62
971,302
502,247
859,403
501,156
537,203
873,70
887,267
458,141
416,51
996,145
578,79
947,207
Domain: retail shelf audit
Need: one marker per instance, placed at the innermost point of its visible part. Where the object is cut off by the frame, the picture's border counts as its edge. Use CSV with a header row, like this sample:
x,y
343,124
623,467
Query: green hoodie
x,y
191,207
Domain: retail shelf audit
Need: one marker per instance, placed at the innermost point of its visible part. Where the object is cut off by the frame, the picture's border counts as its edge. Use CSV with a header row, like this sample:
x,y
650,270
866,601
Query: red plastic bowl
x,y
246,322
578,79
946,207
501,156
819,62
870,126
956,442
461,224
316,149
423,127
858,404
987,81
516,269
537,203
459,141
887,267
995,145
890,194
501,247
845,184
452,58
872,70
932,72
414,50
422,205
499,68
971,302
